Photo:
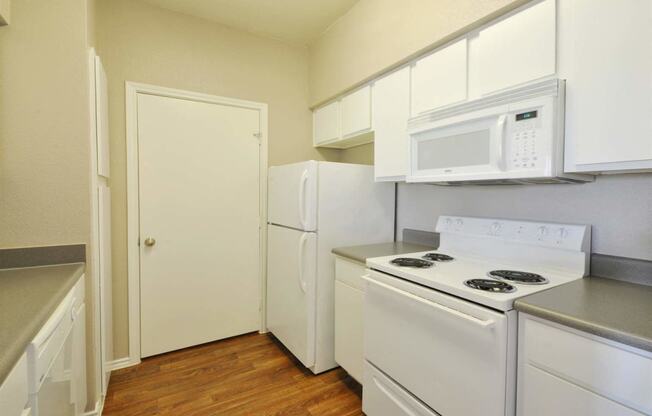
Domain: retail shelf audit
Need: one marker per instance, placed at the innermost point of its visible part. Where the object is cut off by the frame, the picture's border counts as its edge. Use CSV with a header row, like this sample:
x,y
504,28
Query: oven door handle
x,y
469,318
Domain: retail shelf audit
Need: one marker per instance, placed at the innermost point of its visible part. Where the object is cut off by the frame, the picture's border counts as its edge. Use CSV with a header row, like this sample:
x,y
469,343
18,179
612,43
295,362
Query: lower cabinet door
x,y
349,303
545,394
383,397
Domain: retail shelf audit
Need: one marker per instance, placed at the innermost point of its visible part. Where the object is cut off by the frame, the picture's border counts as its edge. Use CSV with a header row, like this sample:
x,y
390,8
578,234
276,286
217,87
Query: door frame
x,y
132,89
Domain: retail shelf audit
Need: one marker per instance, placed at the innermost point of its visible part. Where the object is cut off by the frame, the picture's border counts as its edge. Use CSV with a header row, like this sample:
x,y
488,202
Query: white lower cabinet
x,y
56,360
13,391
563,371
349,302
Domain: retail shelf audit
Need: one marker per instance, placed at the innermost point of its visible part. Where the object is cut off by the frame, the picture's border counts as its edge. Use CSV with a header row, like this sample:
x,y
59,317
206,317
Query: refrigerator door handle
x,y
302,198
302,245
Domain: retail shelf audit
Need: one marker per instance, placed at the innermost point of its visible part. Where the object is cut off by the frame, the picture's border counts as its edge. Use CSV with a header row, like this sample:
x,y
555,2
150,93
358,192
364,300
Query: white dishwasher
x,y
56,360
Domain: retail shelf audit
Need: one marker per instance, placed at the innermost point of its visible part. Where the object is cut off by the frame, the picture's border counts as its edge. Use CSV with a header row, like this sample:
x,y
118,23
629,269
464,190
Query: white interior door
x,y
199,222
291,281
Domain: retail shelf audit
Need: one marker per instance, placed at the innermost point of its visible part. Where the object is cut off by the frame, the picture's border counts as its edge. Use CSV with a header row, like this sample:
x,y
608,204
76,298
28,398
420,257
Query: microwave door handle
x,y
500,131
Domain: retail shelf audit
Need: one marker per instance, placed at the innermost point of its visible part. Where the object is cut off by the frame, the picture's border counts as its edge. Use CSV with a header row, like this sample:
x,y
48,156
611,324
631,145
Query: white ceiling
x,y
293,21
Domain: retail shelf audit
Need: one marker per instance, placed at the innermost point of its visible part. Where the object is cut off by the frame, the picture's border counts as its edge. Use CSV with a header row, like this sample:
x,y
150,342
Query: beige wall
x,y
360,154
142,43
44,125
376,35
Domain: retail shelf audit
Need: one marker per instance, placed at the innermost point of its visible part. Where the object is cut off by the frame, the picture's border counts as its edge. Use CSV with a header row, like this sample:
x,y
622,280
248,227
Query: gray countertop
x,y
364,252
609,308
28,296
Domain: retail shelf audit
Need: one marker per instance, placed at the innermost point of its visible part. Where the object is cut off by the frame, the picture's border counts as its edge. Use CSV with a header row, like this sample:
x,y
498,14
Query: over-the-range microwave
x,y
516,136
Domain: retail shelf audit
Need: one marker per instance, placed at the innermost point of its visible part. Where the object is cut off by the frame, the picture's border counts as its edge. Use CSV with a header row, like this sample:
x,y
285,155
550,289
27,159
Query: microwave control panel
x,y
525,144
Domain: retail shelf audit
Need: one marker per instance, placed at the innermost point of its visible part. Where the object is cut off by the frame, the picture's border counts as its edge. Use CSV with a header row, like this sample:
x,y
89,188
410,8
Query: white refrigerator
x,y
312,208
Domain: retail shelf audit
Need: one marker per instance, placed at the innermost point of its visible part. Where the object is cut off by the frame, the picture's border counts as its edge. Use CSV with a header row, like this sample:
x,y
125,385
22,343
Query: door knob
x,y
149,241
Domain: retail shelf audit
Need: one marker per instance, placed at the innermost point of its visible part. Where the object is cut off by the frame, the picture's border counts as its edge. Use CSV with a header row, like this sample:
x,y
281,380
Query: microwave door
x,y
463,151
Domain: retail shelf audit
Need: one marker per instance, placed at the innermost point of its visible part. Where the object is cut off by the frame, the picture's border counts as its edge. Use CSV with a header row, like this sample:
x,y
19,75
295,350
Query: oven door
x,y
461,148
449,353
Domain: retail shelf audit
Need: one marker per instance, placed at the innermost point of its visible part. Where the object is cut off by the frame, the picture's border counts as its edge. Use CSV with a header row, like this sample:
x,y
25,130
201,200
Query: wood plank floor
x,y
247,375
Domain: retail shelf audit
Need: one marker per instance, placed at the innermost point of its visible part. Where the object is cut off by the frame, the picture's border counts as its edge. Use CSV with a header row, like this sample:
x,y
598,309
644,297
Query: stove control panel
x,y
562,236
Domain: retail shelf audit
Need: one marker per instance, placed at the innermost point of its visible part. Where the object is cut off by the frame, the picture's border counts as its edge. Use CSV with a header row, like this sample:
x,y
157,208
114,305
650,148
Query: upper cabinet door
x,y
356,112
326,123
517,49
439,79
391,103
605,53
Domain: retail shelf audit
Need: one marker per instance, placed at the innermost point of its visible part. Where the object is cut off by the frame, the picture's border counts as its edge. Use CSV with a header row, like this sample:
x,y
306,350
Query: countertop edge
x,y
347,256
389,248
13,354
610,333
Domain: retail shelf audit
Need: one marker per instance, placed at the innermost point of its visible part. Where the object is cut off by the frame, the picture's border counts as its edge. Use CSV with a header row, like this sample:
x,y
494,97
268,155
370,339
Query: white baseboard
x,y
122,363
97,411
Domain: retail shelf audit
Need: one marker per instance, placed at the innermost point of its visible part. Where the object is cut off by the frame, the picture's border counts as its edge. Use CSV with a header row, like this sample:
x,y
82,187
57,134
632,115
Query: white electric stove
x,y
440,329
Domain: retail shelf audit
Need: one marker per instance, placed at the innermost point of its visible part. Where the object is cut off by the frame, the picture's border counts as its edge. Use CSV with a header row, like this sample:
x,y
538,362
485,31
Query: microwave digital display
x,y
526,116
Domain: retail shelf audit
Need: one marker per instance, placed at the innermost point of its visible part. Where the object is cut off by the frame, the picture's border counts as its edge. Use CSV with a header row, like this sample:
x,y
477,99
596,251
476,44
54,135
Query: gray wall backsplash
x,y
618,207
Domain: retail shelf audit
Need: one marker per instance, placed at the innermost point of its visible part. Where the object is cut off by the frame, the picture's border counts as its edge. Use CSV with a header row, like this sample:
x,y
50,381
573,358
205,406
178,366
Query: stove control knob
x,y
496,227
449,223
542,232
459,224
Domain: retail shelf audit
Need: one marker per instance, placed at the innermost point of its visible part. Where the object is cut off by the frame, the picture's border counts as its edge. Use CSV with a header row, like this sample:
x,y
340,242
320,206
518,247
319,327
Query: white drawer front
x,y
382,397
618,374
349,272
348,329
545,395
438,347
13,391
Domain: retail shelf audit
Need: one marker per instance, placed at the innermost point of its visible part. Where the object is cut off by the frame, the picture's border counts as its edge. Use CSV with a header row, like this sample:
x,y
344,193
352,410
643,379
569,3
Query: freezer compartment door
x,y
293,195
291,284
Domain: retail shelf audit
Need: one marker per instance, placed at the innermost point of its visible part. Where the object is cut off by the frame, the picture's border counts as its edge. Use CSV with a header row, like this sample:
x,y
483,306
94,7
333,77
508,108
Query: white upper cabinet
x,y
517,49
326,123
356,112
344,123
605,53
391,103
440,78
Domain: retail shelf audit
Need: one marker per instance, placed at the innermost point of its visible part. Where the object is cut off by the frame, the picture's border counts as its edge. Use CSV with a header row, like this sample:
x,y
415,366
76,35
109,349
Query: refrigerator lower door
x,y
291,284
292,200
